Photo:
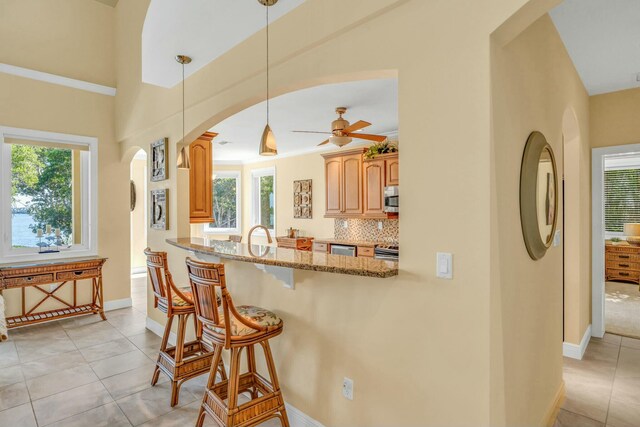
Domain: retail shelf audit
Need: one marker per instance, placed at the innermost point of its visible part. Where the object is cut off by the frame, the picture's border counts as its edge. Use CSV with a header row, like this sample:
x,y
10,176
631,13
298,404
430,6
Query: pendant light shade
x,y
268,143
183,158
268,140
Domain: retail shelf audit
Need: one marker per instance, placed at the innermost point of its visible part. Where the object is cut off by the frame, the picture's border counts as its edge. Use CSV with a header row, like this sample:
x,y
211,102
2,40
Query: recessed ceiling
x,y
375,101
201,29
603,40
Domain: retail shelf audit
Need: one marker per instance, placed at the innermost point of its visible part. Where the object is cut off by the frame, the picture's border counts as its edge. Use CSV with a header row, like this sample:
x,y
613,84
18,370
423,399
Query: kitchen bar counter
x,y
289,258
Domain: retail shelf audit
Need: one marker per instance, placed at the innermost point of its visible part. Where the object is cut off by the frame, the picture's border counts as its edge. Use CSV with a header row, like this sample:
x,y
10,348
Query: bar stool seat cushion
x,y
179,302
261,316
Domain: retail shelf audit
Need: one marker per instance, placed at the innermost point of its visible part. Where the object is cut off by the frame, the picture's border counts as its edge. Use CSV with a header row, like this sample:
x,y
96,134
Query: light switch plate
x,y
557,238
444,265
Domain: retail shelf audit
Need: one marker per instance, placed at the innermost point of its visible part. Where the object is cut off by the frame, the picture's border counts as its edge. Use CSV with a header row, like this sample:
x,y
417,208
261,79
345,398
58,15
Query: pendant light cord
x,y
267,8
183,102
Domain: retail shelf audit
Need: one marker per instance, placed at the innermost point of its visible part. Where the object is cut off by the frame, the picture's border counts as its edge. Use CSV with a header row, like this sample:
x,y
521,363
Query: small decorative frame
x,y
159,154
132,195
302,199
158,218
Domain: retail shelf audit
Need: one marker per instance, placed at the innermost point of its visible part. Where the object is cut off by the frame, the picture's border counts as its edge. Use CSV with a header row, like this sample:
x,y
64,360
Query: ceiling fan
x,y
342,132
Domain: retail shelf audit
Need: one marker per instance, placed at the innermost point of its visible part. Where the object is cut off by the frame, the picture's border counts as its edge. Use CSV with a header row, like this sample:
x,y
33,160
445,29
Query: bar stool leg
x,y
179,353
251,364
233,384
163,348
274,381
217,361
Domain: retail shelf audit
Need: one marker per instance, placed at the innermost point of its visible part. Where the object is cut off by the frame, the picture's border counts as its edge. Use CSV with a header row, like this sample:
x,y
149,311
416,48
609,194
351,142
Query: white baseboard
x,y
297,418
575,351
117,304
158,329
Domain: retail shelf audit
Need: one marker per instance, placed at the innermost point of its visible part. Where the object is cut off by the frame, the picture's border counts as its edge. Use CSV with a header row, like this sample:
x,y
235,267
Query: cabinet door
x,y
333,175
393,171
374,174
200,184
352,184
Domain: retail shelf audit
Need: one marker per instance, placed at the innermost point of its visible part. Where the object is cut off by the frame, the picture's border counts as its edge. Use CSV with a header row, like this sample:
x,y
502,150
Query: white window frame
x,y
238,230
255,198
89,195
626,161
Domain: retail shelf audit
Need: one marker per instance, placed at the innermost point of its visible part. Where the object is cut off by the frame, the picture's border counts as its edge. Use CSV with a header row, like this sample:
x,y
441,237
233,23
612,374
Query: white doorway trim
x,y
597,232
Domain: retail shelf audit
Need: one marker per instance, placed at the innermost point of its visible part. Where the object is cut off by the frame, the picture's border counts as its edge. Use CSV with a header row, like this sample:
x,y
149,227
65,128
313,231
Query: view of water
x,y
21,233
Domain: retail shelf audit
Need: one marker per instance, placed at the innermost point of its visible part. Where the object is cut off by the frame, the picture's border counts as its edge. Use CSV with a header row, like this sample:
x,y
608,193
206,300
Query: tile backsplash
x,y
367,229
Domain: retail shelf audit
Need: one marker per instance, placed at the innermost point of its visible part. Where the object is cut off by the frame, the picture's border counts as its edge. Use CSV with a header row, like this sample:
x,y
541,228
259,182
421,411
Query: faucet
x,y
266,231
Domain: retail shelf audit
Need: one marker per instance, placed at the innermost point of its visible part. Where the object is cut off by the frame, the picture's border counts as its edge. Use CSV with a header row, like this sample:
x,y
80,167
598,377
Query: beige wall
x,y
414,332
614,118
534,83
49,36
139,214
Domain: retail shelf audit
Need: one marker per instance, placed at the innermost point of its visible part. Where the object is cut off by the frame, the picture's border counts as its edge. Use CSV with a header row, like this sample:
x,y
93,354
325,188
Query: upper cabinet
x,y
200,179
355,186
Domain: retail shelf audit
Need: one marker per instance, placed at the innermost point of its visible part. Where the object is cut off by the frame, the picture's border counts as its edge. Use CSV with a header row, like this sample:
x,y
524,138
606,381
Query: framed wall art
x,y
159,154
158,218
302,199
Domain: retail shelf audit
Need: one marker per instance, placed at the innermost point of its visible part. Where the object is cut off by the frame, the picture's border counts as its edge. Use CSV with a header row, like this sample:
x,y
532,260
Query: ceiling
x,y
201,29
375,101
111,3
603,40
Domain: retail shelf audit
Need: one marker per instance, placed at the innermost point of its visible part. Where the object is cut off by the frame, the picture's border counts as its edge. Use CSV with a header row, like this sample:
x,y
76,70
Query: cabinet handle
x,y
623,273
623,265
624,256
28,279
78,273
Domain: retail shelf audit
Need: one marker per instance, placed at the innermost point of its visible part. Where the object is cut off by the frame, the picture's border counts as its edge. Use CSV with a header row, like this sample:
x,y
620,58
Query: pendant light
x,y
268,140
183,156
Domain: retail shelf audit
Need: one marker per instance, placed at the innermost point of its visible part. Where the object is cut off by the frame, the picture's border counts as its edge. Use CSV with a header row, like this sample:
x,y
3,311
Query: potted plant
x,y
378,148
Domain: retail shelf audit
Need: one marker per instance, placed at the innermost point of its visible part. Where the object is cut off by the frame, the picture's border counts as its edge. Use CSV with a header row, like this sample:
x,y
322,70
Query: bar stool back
x,y
184,360
235,328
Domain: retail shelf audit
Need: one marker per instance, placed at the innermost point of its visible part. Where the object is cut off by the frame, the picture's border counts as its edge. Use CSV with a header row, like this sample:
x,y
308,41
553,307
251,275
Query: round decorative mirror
x,y
538,195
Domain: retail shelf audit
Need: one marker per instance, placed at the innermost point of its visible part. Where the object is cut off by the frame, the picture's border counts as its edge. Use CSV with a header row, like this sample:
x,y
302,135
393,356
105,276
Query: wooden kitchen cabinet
x,y
393,169
343,178
374,179
200,179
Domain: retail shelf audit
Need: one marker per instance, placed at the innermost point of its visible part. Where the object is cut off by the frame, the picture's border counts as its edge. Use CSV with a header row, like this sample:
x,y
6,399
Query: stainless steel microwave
x,y
391,199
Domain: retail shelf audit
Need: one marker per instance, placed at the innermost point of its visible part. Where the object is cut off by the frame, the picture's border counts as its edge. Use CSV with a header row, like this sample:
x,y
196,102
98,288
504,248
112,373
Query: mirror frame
x,y
536,144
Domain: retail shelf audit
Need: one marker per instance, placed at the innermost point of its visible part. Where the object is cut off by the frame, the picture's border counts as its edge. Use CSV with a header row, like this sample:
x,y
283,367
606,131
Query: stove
x,y
387,252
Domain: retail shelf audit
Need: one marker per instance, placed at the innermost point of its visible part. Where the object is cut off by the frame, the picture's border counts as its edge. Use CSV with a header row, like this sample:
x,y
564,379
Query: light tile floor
x,y
603,389
85,372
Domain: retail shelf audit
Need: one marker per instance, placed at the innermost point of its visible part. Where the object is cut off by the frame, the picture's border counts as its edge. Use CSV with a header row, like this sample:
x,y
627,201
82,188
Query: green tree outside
x,y
44,175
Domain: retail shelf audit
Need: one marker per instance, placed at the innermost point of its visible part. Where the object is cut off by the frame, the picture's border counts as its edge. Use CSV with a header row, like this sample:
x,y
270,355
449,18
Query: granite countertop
x,y
367,243
290,258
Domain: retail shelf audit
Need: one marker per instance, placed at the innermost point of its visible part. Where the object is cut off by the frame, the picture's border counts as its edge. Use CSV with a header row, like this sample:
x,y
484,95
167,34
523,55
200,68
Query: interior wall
x,y
48,36
335,324
614,118
139,214
533,83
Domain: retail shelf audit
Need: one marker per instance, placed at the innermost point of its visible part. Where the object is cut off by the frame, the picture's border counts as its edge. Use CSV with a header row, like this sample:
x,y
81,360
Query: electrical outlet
x,y
345,224
379,225
347,388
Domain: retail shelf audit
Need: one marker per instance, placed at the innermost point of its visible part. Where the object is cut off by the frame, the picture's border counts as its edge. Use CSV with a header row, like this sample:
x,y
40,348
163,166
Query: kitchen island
x,y
288,258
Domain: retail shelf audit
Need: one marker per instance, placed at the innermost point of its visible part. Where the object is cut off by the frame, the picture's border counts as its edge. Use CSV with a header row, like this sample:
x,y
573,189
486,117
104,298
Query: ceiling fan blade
x,y
360,124
377,138
309,131
326,141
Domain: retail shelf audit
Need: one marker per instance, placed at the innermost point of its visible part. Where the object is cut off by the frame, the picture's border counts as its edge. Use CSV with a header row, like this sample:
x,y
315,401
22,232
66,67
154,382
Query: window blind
x,y
621,198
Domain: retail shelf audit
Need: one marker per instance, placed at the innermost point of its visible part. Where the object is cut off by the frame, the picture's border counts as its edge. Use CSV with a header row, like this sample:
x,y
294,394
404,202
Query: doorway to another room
x,y
138,231
616,257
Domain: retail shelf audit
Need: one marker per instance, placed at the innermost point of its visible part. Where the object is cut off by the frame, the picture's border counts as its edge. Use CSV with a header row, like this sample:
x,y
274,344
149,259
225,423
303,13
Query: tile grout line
x,y
606,419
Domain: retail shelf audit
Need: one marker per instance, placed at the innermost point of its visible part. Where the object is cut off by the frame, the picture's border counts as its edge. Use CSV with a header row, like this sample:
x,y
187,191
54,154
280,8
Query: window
x,y
621,199
263,198
226,203
48,194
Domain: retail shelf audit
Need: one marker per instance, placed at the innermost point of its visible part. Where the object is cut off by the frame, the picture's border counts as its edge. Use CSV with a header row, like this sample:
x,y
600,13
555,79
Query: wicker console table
x,y
61,272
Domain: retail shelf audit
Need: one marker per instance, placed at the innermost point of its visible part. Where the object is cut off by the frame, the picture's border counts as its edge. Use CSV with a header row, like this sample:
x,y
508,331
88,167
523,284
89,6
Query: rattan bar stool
x,y
184,360
247,327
